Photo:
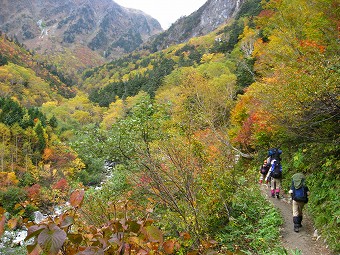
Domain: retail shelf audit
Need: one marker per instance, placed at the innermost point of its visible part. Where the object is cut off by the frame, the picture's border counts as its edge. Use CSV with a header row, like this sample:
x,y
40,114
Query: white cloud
x,y
165,11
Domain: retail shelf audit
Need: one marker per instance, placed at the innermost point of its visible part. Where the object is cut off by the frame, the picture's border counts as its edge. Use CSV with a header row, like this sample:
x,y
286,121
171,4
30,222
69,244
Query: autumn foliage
x,y
182,131
67,235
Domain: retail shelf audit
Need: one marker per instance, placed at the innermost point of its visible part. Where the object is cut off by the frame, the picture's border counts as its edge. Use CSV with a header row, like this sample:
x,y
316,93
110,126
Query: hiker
x,y
263,171
274,175
274,153
299,192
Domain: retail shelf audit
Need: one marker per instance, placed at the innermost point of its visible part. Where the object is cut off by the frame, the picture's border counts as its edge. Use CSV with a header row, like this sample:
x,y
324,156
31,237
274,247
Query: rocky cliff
x,y
207,18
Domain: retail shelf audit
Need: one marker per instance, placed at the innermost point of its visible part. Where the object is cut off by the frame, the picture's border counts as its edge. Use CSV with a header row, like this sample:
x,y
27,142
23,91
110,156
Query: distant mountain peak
x,y
207,18
102,25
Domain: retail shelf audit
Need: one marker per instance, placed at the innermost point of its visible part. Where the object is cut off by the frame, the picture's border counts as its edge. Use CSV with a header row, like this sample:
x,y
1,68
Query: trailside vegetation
x,y
294,102
185,130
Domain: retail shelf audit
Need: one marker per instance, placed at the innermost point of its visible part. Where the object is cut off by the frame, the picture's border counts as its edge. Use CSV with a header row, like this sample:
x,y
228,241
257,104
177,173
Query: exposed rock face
x,y
215,13
102,25
207,18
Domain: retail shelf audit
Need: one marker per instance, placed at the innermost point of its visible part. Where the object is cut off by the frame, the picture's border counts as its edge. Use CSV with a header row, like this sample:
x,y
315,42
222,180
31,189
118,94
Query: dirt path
x,y
306,240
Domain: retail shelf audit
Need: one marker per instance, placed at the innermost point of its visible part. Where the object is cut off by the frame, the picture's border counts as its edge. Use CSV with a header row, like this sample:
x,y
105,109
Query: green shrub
x,y
90,179
29,210
324,206
254,224
12,196
27,179
97,206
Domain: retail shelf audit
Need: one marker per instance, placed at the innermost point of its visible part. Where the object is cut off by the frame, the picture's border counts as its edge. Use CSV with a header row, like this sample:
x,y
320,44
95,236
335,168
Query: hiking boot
x,y
277,195
296,229
272,192
299,220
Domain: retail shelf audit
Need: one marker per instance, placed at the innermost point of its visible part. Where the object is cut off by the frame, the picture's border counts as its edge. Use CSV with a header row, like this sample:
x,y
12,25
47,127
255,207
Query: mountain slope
x,y
206,19
31,81
102,25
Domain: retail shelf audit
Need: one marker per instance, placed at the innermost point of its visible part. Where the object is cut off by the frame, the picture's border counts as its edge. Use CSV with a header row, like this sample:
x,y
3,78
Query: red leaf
x,y
77,197
2,224
67,221
52,239
142,252
185,235
34,231
61,185
169,247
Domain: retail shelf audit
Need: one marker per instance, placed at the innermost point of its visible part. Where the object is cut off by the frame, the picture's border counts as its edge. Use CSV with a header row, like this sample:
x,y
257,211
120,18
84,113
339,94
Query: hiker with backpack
x,y
263,171
274,175
274,153
300,193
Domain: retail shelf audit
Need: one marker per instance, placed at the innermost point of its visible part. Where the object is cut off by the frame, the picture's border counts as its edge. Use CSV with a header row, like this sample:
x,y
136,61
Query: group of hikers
x,y
271,173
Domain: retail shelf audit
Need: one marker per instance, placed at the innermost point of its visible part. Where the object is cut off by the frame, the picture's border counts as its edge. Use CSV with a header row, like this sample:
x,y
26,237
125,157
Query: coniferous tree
x,y
11,112
39,130
53,122
3,60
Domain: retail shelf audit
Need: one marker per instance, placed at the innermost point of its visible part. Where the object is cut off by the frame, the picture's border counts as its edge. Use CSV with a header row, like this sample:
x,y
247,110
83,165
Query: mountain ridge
x,y
102,25
78,34
200,22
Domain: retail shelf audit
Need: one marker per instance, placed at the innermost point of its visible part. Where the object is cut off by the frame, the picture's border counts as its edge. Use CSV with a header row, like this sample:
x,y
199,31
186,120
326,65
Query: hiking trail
x,y
307,240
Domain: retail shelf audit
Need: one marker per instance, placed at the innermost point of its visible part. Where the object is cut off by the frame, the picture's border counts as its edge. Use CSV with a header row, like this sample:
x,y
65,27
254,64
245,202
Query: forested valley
x,y
184,131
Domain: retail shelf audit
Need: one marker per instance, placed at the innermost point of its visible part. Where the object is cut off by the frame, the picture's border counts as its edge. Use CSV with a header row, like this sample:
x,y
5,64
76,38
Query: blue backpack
x,y
300,194
274,153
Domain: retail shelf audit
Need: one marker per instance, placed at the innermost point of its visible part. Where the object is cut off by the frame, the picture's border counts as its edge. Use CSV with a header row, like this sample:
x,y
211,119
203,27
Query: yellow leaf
x,y
17,206
12,223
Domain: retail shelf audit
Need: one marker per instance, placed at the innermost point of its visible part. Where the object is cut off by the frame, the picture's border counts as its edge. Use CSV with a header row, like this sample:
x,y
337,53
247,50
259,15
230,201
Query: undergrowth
x,y
254,225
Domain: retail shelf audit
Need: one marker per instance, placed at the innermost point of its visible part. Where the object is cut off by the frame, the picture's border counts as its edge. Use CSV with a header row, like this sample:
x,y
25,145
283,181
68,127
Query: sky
x,y
165,11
